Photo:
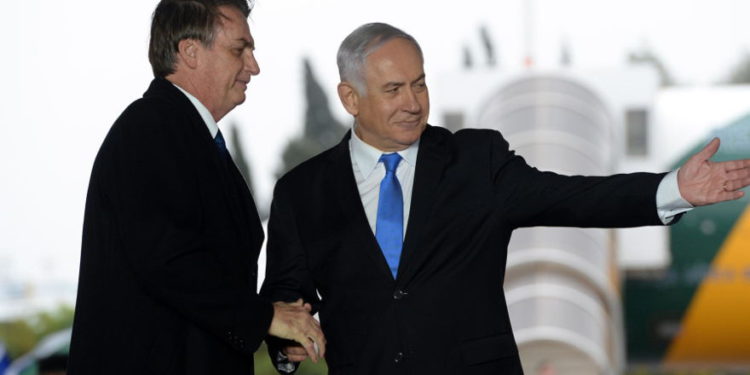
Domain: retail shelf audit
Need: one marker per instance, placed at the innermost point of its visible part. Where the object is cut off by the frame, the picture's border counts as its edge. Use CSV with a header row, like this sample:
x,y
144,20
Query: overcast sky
x,y
69,68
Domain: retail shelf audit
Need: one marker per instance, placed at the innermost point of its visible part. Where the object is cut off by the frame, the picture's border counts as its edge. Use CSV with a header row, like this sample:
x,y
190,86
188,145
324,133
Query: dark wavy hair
x,y
175,20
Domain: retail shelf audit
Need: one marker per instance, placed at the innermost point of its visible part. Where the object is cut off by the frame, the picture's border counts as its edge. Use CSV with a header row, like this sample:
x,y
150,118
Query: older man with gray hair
x,y
398,235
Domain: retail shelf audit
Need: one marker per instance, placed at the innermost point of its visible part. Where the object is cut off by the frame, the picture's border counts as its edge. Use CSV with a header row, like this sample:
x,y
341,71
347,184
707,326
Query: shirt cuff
x,y
669,202
283,364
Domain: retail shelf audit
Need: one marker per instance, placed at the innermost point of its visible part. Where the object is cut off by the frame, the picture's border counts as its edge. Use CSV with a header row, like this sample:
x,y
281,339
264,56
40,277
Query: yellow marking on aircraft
x,y
716,326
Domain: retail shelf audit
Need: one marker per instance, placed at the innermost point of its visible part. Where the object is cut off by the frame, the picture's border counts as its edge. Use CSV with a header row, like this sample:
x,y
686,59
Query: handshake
x,y
292,321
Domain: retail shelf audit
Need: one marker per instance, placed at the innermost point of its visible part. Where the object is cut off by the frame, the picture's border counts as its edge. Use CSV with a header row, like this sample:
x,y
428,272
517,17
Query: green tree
x,y
740,74
321,130
489,45
243,165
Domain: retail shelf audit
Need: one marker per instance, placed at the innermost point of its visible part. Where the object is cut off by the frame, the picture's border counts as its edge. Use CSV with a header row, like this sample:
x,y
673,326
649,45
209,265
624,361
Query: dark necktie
x,y
389,227
221,144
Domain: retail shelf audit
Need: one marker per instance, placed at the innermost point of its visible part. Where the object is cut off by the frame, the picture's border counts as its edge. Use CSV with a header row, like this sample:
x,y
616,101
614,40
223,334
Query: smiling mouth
x,y
409,123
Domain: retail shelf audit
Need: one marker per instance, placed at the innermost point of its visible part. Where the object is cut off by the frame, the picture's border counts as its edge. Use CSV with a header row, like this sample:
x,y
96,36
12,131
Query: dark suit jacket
x,y
446,311
169,255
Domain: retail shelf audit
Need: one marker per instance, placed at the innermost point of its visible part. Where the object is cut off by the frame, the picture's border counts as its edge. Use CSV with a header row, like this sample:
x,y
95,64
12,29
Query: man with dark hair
x,y
171,233
398,235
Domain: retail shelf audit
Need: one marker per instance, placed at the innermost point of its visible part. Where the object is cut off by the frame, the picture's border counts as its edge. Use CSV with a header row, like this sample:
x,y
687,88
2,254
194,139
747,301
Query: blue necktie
x,y
389,227
221,144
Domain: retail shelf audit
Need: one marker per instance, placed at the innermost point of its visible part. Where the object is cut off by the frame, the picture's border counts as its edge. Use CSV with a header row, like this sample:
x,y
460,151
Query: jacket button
x,y
399,357
399,294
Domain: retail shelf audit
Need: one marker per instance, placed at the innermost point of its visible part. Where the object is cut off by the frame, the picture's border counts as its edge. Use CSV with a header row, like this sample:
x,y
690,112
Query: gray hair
x,y
363,41
175,20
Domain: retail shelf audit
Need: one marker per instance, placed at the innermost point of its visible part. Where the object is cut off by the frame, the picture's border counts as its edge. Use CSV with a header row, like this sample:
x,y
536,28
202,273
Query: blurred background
x,y
576,86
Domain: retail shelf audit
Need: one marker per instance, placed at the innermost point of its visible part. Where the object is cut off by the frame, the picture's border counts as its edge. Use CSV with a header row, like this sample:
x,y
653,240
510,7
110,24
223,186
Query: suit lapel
x,y
224,167
432,159
345,185
205,146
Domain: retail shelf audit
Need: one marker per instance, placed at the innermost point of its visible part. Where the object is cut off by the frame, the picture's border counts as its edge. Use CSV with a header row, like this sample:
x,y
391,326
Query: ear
x,y
187,50
349,98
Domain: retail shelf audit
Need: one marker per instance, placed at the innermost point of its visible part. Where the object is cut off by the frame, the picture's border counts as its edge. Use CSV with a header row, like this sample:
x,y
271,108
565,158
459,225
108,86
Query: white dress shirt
x,y
369,171
213,127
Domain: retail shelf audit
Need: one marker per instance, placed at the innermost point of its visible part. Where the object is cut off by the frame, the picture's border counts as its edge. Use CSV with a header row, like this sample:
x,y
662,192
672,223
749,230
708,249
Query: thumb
x,y
710,149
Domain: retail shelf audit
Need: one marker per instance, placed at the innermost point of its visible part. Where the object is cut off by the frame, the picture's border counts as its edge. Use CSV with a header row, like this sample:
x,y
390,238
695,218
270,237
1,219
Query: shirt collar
x,y
213,128
367,156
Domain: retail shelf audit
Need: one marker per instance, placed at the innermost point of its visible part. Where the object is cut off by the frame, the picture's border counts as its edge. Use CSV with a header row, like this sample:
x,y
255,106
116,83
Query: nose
x,y
411,101
251,64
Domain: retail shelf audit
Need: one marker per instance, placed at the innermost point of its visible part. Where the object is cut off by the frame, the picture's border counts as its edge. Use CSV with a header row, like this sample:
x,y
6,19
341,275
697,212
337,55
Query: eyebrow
x,y
246,42
393,84
399,84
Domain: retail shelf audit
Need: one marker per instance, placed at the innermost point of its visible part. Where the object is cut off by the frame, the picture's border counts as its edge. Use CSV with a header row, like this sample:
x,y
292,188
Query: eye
x,y
392,90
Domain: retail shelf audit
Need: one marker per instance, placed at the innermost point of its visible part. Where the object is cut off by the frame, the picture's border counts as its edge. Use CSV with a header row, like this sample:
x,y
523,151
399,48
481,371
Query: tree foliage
x,y
321,129
23,334
741,72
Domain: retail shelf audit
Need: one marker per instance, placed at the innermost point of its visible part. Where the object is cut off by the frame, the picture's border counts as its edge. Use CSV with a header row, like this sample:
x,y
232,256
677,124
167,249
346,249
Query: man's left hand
x,y
703,182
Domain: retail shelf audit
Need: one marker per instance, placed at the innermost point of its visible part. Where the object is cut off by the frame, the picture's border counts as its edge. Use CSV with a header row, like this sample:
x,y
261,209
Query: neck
x,y
191,85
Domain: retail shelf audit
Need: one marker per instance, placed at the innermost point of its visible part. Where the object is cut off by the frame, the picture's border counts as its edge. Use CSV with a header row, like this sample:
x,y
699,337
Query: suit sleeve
x,y
537,198
159,216
287,274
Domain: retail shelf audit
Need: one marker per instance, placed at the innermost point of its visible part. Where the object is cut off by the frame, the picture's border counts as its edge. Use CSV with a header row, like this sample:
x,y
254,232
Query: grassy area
x,y
650,370
263,365
22,335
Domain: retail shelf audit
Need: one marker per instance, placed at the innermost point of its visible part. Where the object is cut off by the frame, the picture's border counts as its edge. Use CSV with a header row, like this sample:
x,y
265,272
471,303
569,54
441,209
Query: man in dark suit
x,y
171,233
398,235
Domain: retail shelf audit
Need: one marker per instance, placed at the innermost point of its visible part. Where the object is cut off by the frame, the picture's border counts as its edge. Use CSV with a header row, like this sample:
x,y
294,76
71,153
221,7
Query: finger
x,y
319,339
308,307
728,196
710,149
735,165
736,184
297,358
734,195
294,350
322,348
738,175
295,353
298,302
309,348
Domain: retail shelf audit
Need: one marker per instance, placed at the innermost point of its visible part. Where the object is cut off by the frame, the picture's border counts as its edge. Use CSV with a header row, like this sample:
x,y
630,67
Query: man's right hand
x,y
293,321
295,353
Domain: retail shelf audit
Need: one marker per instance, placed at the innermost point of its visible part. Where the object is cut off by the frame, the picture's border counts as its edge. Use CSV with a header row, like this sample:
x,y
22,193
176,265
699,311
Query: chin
x,y
408,140
240,100
415,133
